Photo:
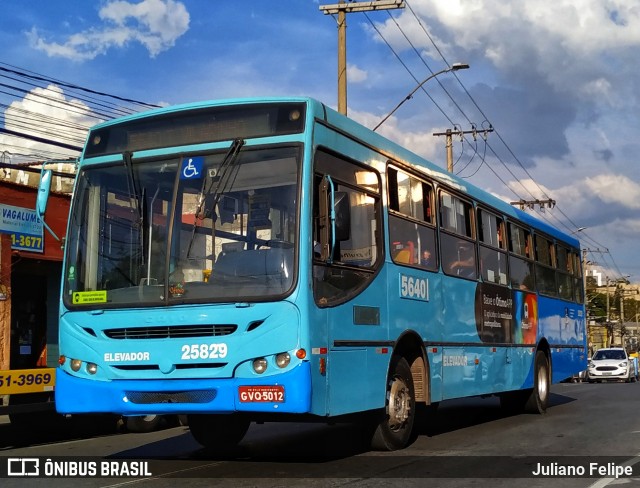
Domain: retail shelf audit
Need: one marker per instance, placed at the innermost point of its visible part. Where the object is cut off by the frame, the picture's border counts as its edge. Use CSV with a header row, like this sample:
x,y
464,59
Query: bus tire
x,y
218,432
539,395
395,429
142,423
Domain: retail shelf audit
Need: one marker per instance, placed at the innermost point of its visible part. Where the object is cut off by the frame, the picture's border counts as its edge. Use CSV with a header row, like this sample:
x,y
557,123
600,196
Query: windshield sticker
x,y
87,297
192,168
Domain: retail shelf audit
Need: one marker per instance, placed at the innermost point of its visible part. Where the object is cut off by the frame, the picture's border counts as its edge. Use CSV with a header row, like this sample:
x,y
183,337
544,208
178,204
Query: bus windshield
x,y
219,226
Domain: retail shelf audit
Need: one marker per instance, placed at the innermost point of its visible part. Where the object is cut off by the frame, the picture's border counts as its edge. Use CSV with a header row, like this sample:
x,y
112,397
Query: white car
x,y
610,364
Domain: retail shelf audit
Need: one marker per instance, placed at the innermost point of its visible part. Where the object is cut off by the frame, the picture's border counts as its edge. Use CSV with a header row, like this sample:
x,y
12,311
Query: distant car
x,y
609,364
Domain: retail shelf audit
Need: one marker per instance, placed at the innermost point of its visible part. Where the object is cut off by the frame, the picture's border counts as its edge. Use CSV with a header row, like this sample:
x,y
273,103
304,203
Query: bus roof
x,y
320,111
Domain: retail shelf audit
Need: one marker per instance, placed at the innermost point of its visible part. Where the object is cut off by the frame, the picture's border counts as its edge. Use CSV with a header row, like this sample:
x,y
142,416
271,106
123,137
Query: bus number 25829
x,y
204,351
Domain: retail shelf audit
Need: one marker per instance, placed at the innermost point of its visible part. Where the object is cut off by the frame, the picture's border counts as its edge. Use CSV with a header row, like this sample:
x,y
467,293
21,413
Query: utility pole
x,y
609,332
342,9
585,299
449,135
622,327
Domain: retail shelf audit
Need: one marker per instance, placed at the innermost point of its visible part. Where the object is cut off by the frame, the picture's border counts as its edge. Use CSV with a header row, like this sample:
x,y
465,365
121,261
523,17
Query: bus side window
x,y
352,257
493,260
545,266
411,231
521,271
457,244
464,260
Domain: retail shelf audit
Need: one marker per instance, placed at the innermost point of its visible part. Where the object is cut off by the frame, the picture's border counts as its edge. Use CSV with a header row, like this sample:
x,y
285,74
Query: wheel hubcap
x,y
399,404
543,385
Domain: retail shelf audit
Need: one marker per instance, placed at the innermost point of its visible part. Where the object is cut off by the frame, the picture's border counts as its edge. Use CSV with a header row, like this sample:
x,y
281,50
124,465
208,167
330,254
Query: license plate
x,y
262,394
606,374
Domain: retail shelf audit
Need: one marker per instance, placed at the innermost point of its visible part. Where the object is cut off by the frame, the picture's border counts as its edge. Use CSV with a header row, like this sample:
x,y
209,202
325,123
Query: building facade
x,y
30,268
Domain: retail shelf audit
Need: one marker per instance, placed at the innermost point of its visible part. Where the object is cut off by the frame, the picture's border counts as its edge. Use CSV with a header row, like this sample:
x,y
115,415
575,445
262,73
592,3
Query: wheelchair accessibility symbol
x,y
192,168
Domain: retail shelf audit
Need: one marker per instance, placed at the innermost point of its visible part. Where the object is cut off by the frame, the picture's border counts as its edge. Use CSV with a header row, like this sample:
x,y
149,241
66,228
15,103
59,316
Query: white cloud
x,y
46,113
572,44
355,74
156,24
618,189
420,142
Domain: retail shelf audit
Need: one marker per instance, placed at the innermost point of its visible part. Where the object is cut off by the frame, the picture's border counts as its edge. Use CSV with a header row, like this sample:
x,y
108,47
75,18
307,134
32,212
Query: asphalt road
x,y
467,442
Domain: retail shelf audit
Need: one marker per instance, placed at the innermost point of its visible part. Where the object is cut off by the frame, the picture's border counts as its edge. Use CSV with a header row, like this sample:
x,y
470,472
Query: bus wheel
x,y
396,428
218,431
539,397
142,423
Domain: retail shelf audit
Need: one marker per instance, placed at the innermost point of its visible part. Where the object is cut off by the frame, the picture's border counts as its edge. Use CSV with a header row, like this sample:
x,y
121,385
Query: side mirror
x,y
342,211
43,197
335,218
43,192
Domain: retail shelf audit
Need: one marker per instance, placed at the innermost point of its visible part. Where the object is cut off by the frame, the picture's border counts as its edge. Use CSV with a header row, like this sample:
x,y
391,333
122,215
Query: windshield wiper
x,y
139,197
132,186
223,181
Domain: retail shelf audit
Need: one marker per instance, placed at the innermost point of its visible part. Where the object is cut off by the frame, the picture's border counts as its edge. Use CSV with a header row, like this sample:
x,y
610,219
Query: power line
x,y
40,139
47,125
39,77
487,145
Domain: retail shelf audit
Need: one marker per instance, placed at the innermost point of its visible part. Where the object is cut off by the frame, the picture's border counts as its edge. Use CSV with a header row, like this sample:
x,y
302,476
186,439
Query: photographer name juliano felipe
x,y
558,470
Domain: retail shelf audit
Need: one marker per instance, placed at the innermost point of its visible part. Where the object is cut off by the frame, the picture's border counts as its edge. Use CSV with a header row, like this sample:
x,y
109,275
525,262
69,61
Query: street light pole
x,y
453,67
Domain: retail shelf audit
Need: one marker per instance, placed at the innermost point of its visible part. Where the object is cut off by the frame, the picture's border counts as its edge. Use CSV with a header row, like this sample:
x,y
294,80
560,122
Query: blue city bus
x,y
269,259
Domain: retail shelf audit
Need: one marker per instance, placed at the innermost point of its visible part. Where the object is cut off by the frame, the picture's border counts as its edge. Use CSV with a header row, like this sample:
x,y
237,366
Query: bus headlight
x,y
75,364
92,368
283,359
260,365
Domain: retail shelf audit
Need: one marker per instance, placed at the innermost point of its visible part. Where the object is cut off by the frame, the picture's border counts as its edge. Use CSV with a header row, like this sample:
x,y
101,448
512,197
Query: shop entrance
x,y
34,323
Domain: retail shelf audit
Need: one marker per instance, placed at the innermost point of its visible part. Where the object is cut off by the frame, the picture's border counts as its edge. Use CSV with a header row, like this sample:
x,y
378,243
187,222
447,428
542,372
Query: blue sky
x,y
556,79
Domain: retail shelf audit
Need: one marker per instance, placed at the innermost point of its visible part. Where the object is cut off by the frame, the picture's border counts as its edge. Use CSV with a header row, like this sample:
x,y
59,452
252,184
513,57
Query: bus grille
x,y
149,397
171,331
155,367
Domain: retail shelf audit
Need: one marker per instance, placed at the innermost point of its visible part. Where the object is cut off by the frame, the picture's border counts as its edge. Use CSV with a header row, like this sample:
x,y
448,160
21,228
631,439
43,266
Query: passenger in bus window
x,y
465,265
426,260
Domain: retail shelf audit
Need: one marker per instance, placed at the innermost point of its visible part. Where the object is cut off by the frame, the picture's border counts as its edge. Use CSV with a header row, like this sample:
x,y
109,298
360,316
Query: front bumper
x,y
610,374
144,397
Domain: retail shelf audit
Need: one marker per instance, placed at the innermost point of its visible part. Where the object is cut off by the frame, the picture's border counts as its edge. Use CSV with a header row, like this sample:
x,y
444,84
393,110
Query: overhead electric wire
x,y
453,100
84,106
487,144
40,77
56,103
118,109
544,194
455,103
434,102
